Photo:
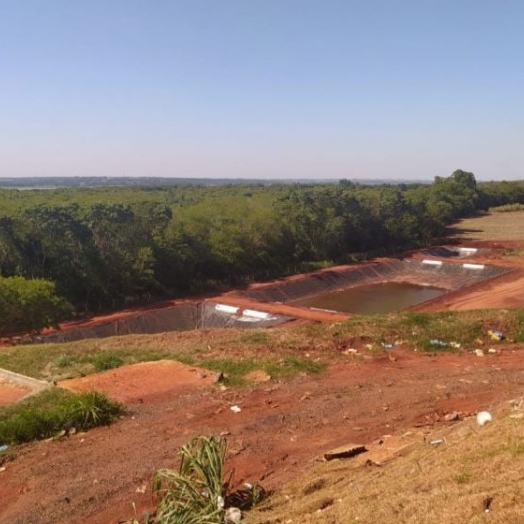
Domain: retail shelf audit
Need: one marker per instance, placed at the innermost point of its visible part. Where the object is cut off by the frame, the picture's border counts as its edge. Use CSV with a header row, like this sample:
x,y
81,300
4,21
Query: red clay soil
x,y
10,393
506,291
282,427
132,384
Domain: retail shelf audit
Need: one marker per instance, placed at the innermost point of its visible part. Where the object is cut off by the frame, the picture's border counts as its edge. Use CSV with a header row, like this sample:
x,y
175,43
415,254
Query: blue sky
x,y
262,88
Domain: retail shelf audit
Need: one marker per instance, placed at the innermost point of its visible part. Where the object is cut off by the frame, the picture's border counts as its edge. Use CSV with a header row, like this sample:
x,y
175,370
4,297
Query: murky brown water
x,y
372,298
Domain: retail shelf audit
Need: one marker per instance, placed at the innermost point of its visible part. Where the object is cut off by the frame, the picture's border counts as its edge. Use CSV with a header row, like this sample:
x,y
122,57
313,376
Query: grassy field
x,y
473,469
492,226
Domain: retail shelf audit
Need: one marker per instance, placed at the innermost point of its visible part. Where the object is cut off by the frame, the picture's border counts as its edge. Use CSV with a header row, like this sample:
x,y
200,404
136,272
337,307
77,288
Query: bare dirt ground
x,y
10,393
282,428
133,384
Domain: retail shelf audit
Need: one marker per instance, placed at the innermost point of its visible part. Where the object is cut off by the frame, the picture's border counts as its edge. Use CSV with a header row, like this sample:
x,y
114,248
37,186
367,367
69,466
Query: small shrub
x,y
88,410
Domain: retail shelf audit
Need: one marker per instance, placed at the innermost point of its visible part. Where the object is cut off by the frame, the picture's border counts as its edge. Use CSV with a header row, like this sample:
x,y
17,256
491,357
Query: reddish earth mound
x,y
133,384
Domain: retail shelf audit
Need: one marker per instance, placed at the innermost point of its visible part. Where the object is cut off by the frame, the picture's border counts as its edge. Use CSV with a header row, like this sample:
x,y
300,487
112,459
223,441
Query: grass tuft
x,y
107,360
50,412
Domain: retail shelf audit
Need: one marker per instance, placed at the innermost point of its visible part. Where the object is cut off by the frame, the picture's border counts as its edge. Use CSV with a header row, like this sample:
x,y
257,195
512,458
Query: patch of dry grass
x,y
280,352
447,483
492,226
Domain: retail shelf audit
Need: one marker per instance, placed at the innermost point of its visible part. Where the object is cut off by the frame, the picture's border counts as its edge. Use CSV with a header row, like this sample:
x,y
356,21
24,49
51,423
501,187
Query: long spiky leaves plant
x,y
195,494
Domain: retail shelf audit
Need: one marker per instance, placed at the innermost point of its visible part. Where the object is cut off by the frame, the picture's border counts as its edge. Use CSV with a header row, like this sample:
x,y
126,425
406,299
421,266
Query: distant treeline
x,y
108,247
107,181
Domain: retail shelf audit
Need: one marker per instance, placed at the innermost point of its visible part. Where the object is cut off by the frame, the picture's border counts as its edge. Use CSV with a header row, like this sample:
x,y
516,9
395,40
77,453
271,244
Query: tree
x,y
28,306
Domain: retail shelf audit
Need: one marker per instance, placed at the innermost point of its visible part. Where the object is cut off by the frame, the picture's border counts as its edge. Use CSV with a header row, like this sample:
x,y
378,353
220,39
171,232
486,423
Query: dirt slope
x,y
283,427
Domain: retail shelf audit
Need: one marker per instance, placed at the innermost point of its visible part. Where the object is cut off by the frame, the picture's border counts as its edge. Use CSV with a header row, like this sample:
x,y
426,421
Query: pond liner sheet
x,y
183,317
209,315
449,276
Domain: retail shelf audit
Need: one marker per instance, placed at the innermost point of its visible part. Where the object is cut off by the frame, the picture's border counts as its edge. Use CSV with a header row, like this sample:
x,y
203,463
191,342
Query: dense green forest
x,y
107,247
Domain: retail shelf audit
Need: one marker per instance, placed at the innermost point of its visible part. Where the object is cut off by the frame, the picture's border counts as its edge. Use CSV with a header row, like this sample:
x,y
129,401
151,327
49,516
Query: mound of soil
x,y
132,384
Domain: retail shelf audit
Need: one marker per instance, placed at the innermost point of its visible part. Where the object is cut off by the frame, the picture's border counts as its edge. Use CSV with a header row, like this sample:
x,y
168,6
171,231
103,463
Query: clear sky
x,y
262,88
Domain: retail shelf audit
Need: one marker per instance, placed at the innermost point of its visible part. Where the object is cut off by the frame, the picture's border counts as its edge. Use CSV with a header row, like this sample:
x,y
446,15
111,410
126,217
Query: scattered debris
x,y
2,469
235,409
233,516
496,335
486,504
370,462
350,351
483,417
219,378
492,351
388,346
351,450
307,396
436,442
4,448
141,489
438,342
479,352
455,345
450,417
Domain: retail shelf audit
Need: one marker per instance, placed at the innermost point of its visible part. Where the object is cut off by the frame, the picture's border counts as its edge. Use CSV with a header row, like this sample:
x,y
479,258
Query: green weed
x,y
46,414
235,370
106,360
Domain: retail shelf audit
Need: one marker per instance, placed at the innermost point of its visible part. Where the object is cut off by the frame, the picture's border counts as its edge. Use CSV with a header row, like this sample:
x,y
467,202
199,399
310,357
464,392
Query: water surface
x,y
372,298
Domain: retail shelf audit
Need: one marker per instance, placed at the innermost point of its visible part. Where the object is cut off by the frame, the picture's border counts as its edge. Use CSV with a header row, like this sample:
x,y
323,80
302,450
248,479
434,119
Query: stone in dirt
x,y
348,451
233,516
483,417
450,417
